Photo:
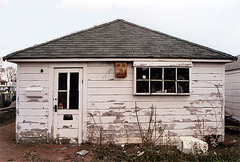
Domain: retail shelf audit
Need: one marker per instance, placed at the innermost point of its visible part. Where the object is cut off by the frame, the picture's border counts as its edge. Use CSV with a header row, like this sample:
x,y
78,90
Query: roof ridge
x,y
183,40
62,37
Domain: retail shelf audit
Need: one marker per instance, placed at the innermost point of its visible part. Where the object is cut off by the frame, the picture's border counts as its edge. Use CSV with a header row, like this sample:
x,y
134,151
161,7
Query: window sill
x,y
162,94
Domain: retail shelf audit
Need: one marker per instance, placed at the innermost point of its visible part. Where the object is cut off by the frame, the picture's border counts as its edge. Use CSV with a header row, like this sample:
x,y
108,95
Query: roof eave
x,y
117,59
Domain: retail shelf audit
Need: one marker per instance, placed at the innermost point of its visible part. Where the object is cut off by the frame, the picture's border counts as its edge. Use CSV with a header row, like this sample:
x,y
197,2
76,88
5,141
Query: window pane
x,y
169,87
74,91
62,81
182,74
169,73
183,87
156,87
142,87
62,100
156,73
142,73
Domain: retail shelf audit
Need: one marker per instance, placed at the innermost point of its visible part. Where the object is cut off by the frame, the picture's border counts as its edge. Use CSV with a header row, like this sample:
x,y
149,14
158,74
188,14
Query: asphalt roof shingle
x,y
118,39
234,65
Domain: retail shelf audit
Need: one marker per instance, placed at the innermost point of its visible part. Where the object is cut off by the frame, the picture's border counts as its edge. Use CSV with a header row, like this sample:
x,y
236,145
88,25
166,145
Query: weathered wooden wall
x,y
111,104
32,113
233,93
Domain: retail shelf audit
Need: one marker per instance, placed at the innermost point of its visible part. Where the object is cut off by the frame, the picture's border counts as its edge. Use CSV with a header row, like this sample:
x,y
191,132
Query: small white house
x,y
233,89
105,82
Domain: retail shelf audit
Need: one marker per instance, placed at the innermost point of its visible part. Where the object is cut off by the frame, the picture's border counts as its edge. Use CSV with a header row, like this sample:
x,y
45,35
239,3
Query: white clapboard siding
x,y
109,84
232,86
232,80
33,112
127,98
129,91
106,70
22,91
33,77
206,90
170,126
145,119
232,98
112,105
159,112
24,98
233,92
234,105
110,90
34,70
207,77
30,119
29,126
106,77
35,64
35,83
147,105
207,68
206,84
35,105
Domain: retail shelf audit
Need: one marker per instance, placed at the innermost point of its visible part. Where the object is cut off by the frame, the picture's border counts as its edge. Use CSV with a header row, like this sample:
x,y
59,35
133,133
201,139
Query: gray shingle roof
x,y
118,39
234,65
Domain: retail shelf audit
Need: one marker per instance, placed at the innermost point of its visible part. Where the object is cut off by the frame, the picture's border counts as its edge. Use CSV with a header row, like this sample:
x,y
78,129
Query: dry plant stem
x,y
161,133
100,129
140,129
155,124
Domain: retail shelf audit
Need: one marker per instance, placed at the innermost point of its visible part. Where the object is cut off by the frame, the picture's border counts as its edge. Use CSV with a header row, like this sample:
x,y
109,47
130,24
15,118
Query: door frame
x,y
56,70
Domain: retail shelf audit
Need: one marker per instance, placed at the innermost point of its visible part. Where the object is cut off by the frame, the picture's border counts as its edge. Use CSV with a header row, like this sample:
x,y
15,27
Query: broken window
x,y
162,80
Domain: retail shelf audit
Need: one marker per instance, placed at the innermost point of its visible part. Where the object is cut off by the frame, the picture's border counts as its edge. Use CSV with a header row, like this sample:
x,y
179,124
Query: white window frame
x,y
162,65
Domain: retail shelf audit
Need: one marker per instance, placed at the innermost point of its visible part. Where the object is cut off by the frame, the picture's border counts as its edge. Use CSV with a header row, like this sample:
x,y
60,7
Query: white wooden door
x,y
68,105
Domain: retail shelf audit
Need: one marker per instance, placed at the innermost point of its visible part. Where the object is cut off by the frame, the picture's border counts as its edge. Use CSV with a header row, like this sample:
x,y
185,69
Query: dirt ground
x,y
10,151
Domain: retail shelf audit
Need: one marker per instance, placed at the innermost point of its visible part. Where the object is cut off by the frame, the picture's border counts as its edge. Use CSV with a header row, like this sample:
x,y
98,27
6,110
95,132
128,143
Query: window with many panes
x,y
162,80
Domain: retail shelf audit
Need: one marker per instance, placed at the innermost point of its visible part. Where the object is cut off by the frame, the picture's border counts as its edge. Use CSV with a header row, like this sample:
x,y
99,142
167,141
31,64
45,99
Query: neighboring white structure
x,y
233,89
97,84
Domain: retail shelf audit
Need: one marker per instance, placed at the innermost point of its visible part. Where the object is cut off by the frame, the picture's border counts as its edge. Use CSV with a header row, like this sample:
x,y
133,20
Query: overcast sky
x,y
212,23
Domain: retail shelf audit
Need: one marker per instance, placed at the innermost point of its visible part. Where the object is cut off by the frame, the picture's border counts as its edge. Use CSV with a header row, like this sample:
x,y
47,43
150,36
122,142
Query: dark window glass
x,y
156,73
156,87
182,74
142,73
62,100
169,87
183,87
142,87
62,81
174,80
169,73
74,91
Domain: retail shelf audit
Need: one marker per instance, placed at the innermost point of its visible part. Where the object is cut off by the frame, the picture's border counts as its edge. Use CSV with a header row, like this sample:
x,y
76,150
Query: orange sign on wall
x,y
120,69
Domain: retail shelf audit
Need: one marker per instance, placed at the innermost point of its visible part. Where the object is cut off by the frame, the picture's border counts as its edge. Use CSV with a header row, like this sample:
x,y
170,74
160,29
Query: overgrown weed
x,y
33,157
133,152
